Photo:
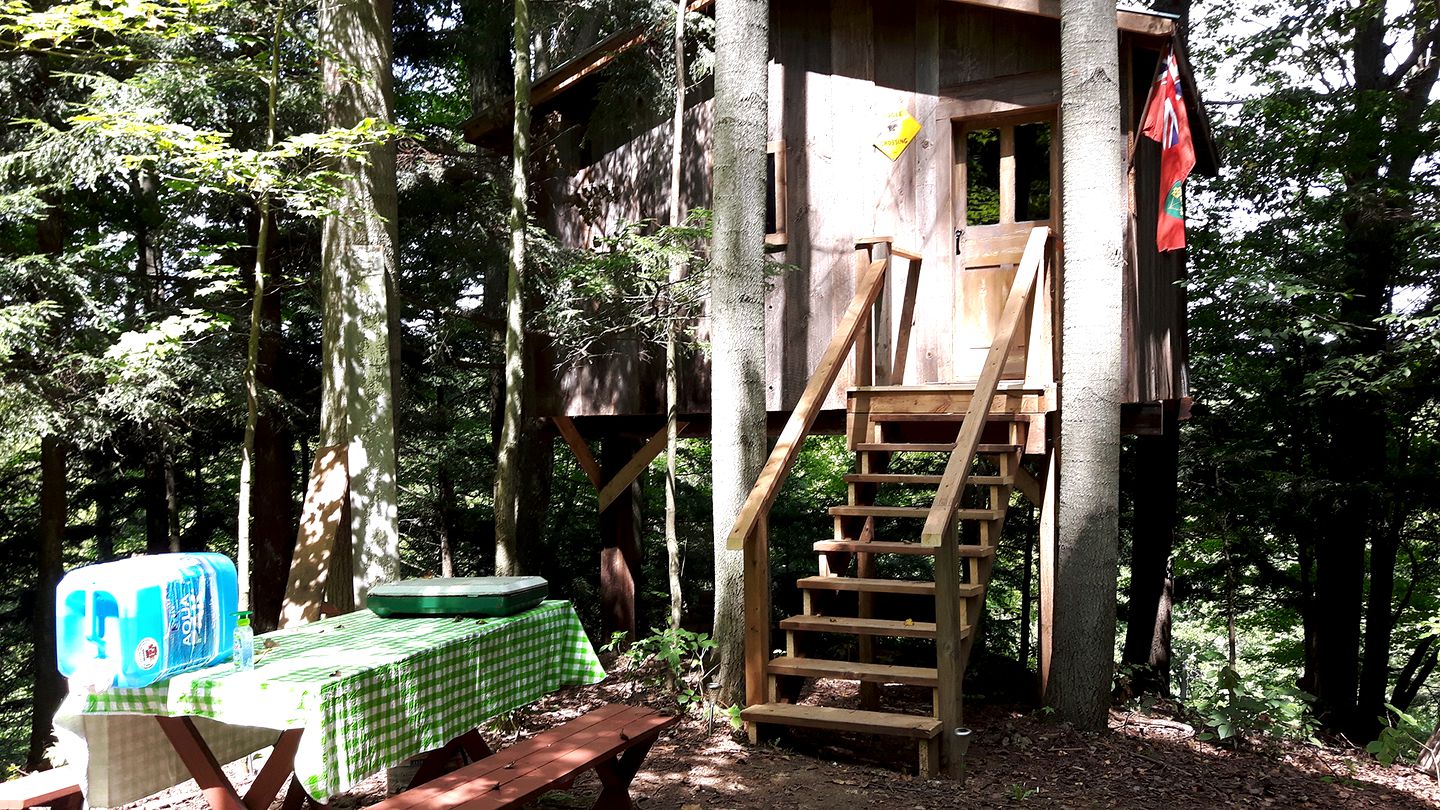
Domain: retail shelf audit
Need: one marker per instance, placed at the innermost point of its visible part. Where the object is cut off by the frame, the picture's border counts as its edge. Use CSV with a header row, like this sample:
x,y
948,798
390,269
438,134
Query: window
x,y
1007,169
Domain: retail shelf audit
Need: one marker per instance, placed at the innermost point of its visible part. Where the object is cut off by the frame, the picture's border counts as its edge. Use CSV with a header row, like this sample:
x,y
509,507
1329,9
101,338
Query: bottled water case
x,y
133,622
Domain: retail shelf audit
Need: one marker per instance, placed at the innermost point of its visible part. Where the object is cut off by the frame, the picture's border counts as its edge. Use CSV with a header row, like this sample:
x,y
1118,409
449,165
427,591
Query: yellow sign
x,y
900,129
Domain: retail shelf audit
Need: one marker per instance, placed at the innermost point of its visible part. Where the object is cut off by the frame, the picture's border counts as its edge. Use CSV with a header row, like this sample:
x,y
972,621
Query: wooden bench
x,y
56,788
611,740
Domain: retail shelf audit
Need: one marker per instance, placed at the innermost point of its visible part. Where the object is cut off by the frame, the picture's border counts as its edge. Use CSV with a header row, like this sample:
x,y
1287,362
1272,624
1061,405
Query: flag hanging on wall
x,y
1166,122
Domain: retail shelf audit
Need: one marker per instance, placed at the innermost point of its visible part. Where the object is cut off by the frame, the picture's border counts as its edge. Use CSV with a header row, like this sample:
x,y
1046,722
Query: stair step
x,y
953,418
966,387
929,447
891,547
911,512
853,671
825,717
913,479
853,626
908,587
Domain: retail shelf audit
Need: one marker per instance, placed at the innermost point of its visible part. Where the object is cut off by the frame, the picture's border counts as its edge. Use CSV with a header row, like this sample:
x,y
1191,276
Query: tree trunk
x,y
737,304
49,686
507,470
1091,384
532,497
1418,666
162,529
1429,760
358,267
672,353
273,522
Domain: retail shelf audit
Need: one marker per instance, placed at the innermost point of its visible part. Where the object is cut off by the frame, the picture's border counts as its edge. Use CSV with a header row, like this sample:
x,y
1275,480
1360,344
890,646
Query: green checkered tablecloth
x,y
371,692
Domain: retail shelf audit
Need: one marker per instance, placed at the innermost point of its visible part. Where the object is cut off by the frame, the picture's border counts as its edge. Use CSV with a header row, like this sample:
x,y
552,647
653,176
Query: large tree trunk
x,y
49,687
162,523
273,513
1357,428
507,471
737,304
1147,635
358,267
1091,383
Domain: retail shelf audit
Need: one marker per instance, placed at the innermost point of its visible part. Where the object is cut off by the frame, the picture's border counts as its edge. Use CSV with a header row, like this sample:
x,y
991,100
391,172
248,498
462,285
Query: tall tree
x,y
737,303
1338,145
358,277
507,466
1091,387
672,351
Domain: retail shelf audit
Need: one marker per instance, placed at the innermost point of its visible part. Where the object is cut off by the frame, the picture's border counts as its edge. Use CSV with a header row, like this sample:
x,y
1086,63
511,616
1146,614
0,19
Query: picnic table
x,y
339,699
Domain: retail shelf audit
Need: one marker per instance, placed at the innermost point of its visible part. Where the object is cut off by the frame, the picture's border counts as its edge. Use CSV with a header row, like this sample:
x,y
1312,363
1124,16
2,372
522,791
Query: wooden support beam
x,y
864,337
1148,24
756,563
1029,485
620,526
907,320
637,465
577,444
1049,503
949,668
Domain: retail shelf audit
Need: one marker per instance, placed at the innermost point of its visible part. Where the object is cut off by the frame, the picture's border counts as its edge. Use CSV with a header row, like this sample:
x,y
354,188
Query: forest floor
x,y
1017,759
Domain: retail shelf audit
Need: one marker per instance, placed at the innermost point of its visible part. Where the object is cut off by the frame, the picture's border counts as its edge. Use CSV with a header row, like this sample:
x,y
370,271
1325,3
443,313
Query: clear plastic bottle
x,y
244,656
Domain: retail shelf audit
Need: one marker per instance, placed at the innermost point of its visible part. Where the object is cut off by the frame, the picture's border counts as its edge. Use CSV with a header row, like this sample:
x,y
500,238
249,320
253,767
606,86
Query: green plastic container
x,y
458,596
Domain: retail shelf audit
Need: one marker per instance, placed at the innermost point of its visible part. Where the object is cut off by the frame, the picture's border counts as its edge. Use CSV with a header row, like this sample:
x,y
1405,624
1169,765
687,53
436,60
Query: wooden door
x,y
1005,183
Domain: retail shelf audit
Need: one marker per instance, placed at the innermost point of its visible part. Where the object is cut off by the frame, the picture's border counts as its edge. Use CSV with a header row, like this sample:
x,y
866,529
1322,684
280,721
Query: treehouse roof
x,y
490,127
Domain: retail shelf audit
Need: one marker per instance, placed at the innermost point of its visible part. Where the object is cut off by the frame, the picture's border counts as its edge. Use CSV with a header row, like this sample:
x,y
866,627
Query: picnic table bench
x,y
56,788
612,740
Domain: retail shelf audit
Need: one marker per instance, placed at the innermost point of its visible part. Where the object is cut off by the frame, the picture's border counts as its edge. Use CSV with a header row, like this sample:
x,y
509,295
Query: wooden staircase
x,y
981,429
882,423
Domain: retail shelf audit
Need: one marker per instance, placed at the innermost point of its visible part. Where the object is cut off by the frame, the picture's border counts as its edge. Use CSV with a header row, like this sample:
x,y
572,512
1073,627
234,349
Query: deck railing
x,y
750,531
942,524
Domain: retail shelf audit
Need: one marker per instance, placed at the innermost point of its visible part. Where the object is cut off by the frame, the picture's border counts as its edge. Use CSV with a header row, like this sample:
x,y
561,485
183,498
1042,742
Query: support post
x,y
1049,523
950,697
757,612
620,526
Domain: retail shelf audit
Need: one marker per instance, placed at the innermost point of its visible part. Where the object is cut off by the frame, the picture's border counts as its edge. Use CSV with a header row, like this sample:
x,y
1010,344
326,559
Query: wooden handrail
x,y
787,447
941,520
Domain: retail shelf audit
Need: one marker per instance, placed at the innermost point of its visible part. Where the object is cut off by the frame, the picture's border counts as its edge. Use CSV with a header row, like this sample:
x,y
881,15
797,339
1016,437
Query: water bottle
x,y
244,653
130,623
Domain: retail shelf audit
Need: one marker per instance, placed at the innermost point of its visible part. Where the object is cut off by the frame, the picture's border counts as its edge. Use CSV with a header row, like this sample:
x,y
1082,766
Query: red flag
x,y
1166,122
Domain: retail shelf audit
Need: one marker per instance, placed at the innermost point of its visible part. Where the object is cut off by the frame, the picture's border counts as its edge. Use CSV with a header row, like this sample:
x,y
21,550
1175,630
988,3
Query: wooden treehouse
x,y
939,338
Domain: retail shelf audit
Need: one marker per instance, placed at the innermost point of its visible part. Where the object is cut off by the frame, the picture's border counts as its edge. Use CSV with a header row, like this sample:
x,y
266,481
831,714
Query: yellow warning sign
x,y
900,129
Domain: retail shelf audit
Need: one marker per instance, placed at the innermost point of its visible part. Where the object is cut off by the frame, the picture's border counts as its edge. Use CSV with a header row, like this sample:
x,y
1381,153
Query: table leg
x,y
277,768
200,761
437,762
615,775
297,799
220,794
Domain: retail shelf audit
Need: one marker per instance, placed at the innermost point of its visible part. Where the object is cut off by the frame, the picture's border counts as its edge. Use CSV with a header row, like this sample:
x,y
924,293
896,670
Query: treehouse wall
x,y
838,69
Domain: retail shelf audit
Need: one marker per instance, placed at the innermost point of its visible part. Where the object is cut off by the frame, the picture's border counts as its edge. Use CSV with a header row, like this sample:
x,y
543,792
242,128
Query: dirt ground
x,y
1016,759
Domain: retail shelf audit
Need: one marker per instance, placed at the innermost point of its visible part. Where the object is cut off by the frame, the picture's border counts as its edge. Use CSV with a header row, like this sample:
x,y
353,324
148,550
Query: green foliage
x,y
622,288
1240,709
1019,793
1401,738
680,654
